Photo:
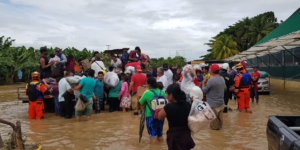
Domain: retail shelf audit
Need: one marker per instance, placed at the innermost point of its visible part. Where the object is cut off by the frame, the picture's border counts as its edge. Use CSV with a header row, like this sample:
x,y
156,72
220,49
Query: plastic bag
x,y
188,69
74,81
111,79
200,116
196,93
197,67
131,69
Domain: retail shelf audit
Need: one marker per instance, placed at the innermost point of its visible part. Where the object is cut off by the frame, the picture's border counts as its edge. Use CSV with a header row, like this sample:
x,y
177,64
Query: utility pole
x,y
108,46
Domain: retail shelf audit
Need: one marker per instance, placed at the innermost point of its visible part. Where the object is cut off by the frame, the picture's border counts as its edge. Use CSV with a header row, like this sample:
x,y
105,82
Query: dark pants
x,y
114,103
67,109
98,104
49,105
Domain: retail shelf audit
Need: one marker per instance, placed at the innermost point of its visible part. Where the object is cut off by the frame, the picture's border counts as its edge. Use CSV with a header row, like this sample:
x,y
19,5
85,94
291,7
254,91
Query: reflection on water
x,y
117,130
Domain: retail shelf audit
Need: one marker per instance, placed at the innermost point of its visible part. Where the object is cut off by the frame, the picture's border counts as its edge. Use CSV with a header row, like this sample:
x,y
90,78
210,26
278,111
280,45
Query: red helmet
x,y
35,75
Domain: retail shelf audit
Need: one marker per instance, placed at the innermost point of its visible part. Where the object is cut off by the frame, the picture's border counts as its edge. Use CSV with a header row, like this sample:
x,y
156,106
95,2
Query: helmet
x,y
103,71
225,66
239,66
35,75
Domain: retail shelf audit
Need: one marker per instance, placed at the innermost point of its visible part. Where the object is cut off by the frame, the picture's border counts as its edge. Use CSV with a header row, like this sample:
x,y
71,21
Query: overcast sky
x,y
159,27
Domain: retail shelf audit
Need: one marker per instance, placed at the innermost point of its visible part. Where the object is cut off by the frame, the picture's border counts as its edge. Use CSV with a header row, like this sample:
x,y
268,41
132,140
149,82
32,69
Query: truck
x,y
283,133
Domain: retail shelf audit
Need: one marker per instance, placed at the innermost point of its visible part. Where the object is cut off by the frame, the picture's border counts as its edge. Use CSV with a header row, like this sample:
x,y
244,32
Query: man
x,y
214,89
229,82
63,58
143,57
242,84
66,105
169,74
96,57
132,55
254,86
99,92
45,67
162,78
86,87
124,58
97,66
206,76
115,62
137,80
35,92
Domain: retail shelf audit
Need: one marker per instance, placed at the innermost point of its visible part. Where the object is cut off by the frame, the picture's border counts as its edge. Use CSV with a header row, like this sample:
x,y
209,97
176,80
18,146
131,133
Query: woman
x,y
70,63
154,126
177,112
113,96
177,76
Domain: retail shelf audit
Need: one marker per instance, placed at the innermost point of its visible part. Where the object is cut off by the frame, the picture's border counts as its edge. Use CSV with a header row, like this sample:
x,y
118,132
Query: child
x,y
160,85
54,58
123,95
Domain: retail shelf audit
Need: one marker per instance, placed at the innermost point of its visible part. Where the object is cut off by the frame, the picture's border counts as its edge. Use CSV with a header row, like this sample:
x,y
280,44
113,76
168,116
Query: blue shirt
x,y
99,89
114,91
200,78
88,86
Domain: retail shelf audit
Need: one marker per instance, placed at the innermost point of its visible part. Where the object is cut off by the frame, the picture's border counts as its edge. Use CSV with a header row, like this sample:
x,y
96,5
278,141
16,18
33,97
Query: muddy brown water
x,y
120,131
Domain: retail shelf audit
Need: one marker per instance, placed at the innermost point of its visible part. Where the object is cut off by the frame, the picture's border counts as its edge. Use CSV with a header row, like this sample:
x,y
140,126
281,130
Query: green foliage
x,y
176,61
245,33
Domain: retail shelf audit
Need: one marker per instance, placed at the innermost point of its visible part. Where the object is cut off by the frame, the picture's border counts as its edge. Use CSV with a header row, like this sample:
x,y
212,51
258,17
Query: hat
x,y
239,66
214,68
255,67
165,66
138,69
127,72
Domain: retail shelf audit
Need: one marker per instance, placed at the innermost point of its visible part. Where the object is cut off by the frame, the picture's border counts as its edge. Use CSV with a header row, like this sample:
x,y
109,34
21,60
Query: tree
x,y
224,46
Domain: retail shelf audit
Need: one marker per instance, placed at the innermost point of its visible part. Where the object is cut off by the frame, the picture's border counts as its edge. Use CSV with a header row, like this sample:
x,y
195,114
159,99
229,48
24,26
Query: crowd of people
x,y
218,84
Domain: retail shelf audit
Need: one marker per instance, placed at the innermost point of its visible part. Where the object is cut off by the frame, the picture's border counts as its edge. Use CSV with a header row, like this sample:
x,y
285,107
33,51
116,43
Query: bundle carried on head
x,y
189,69
197,67
188,74
111,79
74,81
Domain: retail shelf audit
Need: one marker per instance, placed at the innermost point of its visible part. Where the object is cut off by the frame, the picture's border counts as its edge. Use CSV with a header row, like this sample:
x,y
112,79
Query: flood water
x,y
120,131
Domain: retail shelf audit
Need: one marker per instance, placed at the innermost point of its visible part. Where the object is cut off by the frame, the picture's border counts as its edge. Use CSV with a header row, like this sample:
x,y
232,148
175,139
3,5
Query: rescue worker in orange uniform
x,y
242,88
35,92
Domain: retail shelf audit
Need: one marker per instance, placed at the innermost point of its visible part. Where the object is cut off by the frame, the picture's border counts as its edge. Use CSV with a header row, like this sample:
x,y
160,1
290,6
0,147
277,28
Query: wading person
x,y
177,112
45,67
124,97
169,74
35,92
137,80
66,106
162,78
254,86
113,96
86,87
99,92
242,84
154,126
214,89
229,82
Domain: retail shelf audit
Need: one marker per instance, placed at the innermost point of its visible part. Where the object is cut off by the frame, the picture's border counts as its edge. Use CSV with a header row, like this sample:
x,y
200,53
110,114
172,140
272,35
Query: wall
x,y
290,85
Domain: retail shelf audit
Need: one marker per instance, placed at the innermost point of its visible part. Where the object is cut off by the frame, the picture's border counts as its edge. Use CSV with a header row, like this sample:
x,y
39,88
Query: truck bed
x,y
283,132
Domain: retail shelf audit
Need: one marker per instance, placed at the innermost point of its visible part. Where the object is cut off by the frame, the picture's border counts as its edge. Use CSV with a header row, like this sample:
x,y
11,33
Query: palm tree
x,y
223,47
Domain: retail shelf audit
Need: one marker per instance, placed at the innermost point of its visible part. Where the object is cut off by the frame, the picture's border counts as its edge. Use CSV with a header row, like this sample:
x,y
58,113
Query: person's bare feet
x,y
160,139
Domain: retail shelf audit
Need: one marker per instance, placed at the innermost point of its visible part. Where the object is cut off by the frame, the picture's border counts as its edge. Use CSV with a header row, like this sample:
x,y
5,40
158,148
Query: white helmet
x,y
225,66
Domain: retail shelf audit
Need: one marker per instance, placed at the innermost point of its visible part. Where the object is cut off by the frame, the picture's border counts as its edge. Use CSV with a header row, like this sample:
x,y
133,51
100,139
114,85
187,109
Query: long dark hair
x,y
152,82
126,79
178,95
69,58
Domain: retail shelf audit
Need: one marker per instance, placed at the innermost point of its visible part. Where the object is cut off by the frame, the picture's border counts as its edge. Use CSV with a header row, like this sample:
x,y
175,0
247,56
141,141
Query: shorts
x,y
135,102
254,93
154,127
87,110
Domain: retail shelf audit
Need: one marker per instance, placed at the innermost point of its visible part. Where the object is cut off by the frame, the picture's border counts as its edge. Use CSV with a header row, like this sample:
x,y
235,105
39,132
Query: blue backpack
x,y
125,58
157,104
246,79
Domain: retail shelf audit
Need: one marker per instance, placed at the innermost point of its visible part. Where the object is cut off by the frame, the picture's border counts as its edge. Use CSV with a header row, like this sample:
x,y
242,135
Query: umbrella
x,y
142,124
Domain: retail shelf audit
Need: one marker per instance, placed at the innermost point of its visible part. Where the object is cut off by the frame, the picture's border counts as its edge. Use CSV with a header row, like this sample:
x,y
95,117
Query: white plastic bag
x,y
196,93
200,116
74,81
111,79
131,69
187,83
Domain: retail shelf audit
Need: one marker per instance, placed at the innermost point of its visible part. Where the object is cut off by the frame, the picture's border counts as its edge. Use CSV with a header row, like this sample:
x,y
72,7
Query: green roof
x,y
292,24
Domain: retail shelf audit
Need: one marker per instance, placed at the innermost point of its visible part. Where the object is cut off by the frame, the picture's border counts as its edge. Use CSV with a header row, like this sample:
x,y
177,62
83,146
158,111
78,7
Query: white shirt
x,y
97,66
163,79
169,75
115,64
63,86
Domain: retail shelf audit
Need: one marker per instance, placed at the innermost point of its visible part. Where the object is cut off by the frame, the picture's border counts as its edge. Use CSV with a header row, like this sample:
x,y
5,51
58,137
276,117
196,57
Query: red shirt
x,y
143,58
138,79
133,64
70,65
255,83
132,54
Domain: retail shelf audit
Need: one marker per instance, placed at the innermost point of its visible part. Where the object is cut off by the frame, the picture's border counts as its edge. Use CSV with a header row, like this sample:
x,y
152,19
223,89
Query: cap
x,y
127,72
138,69
165,66
214,68
255,67
239,66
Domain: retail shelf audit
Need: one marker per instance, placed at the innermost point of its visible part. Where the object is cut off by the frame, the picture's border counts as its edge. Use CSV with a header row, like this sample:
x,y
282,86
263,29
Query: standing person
x,y
232,74
161,77
99,92
229,82
199,77
177,112
86,87
132,55
96,57
66,107
124,58
206,76
169,74
154,126
55,92
97,66
128,74
70,64
143,58
115,62
254,88
62,57
124,97
177,76
45,67
214,89
113,96
137,80
242,85
35,92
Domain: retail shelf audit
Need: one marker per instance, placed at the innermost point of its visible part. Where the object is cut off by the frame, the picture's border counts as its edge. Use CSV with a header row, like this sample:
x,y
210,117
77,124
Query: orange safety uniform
x,y
242,91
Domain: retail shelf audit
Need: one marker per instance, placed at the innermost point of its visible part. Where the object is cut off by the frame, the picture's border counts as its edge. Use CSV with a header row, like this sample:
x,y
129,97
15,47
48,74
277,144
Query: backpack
x,y
157,104
31,91
86,65
246,79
